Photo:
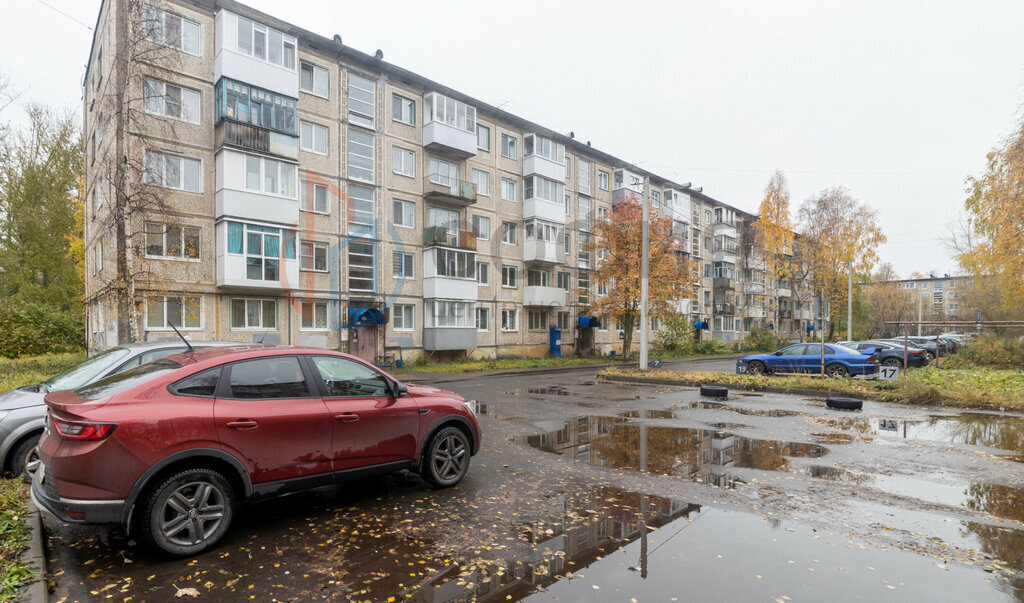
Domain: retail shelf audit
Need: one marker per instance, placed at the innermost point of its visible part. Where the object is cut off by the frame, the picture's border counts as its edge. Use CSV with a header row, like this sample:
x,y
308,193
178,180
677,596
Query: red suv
x,y
170,448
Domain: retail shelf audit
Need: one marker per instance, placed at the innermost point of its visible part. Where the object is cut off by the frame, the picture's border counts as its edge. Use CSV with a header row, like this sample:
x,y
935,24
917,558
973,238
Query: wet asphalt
x,y
587,491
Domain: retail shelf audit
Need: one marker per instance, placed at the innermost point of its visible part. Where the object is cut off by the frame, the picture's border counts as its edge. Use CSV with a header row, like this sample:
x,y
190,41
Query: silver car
x,y
22,410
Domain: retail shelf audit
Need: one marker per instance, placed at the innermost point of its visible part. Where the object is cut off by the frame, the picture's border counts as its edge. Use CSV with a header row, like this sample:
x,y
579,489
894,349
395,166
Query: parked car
x,y
806,357
171,448
22,410
952,343
926,343
890,354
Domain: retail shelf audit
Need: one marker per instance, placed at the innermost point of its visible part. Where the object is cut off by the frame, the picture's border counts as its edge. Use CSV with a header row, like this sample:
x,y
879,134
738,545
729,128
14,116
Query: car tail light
x,y
82,430
872,359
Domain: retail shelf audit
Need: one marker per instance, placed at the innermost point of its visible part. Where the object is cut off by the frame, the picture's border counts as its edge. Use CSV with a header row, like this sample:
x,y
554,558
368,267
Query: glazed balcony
x,y
449,126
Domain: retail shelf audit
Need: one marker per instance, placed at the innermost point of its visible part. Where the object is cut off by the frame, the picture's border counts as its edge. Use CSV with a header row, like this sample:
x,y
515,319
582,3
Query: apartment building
x,y
942,297
285,188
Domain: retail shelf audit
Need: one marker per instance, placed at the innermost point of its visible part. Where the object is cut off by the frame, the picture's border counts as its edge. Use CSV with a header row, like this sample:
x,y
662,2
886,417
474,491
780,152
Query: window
x,y
707,216
482,227
403,162
536,320
270,176
268,378
360,155
655,199
508,146
483,319
583,291
202,384
248,104
567,246
583,213
544,231
173,171
454,263
510,319
262,247
314,316
403,109
361,95
509,233
603,180
265,44
508,190
482,180
98,250
509,276
360,209
404,317
171,30
345,378
360,266
568,167
181,312
568,205
543,147
172,241
314,197
253,314
483,137
483,273
403,265
405,213
535,187
563,321
313,138
314,79
564,280
441,109
313,256
583,184
443,313
603,288
584,256
172,101
538,278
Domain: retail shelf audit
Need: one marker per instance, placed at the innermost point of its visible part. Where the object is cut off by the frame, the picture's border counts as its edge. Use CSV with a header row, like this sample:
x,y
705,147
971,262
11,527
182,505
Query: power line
x,y
52,7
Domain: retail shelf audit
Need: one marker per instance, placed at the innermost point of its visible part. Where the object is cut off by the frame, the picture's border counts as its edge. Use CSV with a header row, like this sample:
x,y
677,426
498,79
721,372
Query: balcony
x,y
753,287
785,314
449,274
253,138
543,209
723,283
543,157
543,252
543,296
727,229
784,292
449,126
756,264
449,338
755,312
437,187
457,239
724,308
724,255
230,62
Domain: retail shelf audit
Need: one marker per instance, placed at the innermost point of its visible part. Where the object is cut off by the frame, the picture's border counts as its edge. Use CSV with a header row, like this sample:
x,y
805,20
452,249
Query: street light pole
x,y
644,269
849,305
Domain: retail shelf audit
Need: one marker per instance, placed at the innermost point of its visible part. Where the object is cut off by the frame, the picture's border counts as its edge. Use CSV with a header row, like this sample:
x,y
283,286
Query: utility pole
x,y
918,313
849,305
644,269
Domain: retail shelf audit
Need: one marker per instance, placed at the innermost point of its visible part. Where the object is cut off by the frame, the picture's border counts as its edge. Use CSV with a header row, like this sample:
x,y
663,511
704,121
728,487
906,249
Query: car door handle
x,y
243,424
347,417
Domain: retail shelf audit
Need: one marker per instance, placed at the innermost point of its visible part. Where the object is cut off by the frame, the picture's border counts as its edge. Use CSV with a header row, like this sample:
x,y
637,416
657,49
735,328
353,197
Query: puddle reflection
x,y
971,429
743,410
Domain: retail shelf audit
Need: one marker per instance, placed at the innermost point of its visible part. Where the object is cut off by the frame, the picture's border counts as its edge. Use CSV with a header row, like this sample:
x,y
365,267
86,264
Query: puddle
x,y
555,390
726,425
696,454
648,414
998,500
836,474
971,429
833,438
743,410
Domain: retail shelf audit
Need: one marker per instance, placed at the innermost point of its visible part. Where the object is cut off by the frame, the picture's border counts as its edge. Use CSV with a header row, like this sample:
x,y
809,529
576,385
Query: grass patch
x,y
14,535
16,372
975,387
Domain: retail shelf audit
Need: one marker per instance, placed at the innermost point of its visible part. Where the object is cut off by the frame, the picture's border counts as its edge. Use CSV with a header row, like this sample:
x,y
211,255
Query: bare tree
x,y
960,237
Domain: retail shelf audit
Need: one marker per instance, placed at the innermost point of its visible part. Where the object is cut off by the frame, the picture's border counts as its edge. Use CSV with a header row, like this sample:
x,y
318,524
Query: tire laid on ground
x,y
187,512
25,456
844,403
836,370
714,391
446,460
892,362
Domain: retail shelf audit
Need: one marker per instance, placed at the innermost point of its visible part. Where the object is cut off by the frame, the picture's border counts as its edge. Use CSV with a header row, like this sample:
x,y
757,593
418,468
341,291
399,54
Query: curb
x,y
36,591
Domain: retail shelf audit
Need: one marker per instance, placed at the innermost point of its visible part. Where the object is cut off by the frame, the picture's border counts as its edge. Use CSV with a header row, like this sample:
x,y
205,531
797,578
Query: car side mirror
x,y
779,353
399,389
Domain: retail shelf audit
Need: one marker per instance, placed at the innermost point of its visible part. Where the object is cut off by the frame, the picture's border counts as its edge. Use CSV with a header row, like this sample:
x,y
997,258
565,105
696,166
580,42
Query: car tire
x,y
892,362
714,391
844,403
837,370
447,458
25,457
756,367
187,512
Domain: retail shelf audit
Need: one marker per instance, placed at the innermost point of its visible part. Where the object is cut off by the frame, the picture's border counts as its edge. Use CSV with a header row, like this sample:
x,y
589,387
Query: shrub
x,y
711,347
676,333
990,351
762,339
29,329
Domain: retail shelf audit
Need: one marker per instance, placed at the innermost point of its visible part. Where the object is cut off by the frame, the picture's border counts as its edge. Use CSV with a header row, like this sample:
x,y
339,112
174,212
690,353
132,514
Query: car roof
x,y
241,351
143,346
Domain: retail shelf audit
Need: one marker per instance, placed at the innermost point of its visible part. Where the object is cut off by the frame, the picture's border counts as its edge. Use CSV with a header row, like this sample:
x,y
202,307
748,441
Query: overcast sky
x,y
896,100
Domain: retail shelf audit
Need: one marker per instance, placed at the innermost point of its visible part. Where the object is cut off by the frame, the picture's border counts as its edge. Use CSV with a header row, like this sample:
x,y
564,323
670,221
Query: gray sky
x,y
896,100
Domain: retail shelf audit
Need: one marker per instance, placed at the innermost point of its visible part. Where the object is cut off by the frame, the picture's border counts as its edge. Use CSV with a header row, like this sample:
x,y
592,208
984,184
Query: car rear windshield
x,y
80,374
115,384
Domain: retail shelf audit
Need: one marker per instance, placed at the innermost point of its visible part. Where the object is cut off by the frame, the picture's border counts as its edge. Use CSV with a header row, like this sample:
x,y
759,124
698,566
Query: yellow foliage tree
x,y
837,230
996,208
671,276
773,231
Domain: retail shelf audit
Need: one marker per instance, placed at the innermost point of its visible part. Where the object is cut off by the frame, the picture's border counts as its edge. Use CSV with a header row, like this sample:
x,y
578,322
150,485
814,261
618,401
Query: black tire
x,y
892,362
714,391
844,403
447,458
837,370
756,367
199,516
24,458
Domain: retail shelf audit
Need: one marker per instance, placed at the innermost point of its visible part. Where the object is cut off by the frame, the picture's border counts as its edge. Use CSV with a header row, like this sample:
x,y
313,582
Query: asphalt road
x,y
592,491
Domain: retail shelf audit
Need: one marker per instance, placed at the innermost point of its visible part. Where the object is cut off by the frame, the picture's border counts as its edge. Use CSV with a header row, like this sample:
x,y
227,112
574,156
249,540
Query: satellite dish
x,y
379,54
337,38
572,134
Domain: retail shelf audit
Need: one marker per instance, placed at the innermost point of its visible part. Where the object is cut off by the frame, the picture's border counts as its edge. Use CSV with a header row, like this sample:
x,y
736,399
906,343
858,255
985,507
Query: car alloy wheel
x,y
188,512
756,367
836,370
447,458
25,458
891,362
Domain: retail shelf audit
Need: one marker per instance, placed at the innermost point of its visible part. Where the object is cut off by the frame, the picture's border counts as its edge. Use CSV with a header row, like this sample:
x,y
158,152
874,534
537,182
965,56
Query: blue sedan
x,y
806,358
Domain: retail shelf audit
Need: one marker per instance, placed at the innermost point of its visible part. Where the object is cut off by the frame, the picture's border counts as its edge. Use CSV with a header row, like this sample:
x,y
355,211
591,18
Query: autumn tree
x,y
888,300
995,207
773,232
670,275
837,230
